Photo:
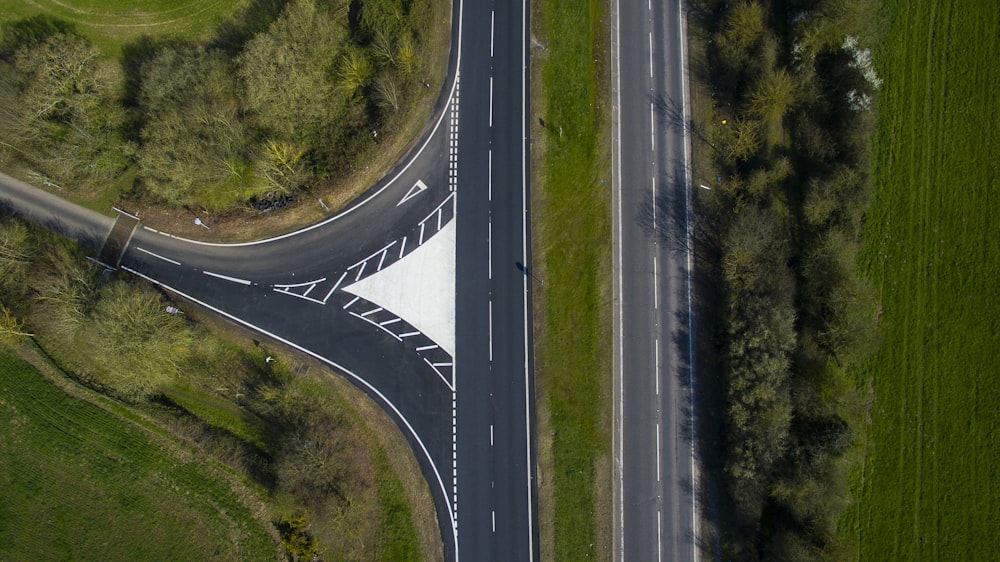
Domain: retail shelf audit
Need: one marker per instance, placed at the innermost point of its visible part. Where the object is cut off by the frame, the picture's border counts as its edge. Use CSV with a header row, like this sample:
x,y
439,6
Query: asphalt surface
x,y
655,469
467,416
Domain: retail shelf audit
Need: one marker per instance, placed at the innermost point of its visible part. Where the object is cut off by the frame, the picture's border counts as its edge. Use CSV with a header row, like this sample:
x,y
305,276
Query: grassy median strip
x,y
929,487
572,248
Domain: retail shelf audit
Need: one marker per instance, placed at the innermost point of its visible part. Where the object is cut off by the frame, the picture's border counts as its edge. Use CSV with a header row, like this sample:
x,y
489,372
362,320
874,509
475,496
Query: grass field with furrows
x,y
112,23
930,486
78,482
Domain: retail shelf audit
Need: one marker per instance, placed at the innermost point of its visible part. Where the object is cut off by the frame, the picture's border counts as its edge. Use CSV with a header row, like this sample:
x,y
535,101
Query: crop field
x,y
78,482
930,486
111,23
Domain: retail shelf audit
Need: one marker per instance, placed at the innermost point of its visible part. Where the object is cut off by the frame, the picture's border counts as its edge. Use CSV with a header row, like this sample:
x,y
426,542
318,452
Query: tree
x,y
196,148
136,345
11,328
60,113
773,95
286,71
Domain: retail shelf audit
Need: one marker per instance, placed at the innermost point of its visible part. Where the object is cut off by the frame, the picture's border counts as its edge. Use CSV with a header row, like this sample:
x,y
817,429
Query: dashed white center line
x,y
659,534
491,101
494,520
652,128
656,363
489,256
145,251
657,451
491,329
491,435
227,278
650,54
656,298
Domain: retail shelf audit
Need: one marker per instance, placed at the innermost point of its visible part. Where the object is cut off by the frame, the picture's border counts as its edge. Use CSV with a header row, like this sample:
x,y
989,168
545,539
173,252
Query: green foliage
x,y
80,482
59,113
285,70
295,536
136,346
196,148
796,313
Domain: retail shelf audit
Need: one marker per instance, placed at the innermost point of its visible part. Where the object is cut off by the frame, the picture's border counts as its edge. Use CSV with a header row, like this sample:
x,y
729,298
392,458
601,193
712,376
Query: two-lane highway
x,y
656,474
496,463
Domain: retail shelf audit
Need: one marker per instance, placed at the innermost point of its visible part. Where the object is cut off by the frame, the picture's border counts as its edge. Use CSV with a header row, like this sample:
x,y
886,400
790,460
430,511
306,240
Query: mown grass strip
x,y
76,482
929,488
572,235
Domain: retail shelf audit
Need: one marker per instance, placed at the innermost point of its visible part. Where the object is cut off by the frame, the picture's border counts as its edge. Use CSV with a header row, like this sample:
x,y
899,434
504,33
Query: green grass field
x,y
112,23
573,255
78,482
930,488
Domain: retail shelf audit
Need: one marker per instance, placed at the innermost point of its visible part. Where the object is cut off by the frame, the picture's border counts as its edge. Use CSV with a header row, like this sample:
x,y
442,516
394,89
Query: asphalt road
x,y
466,405
655,508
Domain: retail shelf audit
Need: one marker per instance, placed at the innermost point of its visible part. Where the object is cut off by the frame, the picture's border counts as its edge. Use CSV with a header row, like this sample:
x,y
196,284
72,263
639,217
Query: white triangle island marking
x,y
417,189
420,288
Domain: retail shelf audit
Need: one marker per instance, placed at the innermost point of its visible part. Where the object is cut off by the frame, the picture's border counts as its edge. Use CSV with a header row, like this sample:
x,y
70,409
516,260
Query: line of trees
x,y
287,94
789,137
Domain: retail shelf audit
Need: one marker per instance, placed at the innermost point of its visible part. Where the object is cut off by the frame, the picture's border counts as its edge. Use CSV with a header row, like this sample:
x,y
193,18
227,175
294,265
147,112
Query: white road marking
x,y
426,347
617,171
494,515
650,54
421,240
657,451
656,364
334,288
656,284
348,305
652,128
381,260
450,387
491,330
372,311
659,534
491,102
393,321
524,252
376,324
361,270
402,247
489,235
409,334
492,15
227,278
145,251
439,219
489,176
491,435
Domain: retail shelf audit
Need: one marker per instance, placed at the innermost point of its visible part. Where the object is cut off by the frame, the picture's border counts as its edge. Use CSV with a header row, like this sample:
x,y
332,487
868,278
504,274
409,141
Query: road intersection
x,y
419,293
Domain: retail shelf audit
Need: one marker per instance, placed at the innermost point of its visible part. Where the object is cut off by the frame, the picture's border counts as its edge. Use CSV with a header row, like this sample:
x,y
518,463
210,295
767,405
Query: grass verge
x,y
929,485
78,481
572,248
113,23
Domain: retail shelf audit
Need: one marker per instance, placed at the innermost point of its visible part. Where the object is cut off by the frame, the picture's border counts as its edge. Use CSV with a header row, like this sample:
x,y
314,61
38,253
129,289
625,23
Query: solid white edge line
x,y
227,278
145,251
619,342
319,357
524,251
682,21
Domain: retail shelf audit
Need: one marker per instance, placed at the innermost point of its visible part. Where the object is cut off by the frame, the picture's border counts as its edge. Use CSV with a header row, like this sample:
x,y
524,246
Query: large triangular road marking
x,y
417,189
420,288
